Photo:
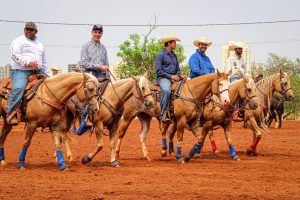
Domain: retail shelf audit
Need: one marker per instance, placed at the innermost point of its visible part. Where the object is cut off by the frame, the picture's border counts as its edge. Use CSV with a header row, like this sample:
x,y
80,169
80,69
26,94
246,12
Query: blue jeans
x,y
98,74
165,85
20,80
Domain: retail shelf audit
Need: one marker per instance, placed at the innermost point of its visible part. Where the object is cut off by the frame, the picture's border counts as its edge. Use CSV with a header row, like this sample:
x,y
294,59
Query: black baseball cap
x,y
97,27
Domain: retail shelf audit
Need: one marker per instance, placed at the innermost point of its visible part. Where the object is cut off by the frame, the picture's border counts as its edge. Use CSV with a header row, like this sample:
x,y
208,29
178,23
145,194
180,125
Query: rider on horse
x,y
28,58
167,70
94,60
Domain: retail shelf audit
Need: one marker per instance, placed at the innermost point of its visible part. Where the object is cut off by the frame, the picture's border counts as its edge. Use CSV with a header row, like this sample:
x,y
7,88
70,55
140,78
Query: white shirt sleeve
x,y
44,68
16,53
229,66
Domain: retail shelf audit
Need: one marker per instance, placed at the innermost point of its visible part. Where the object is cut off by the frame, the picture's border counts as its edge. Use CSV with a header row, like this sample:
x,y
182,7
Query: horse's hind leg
x,y
98,128
6,128
57,137
145,120
213,144
164,129
172,132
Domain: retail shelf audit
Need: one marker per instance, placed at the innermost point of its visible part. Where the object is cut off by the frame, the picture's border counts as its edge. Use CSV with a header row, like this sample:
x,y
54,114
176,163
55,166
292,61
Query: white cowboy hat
x,y
55,69
202,40
235,45
169,38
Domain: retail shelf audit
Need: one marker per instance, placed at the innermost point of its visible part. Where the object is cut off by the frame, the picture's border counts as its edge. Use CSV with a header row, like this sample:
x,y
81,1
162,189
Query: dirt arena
x,y
275,174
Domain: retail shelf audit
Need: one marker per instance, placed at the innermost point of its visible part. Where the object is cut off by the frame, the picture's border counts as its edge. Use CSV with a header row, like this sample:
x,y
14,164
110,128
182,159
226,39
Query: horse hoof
x,y
187,157
251,152
70,159
63,167
236,158
217,151
21,165
180,161
86,160
163,153
197,155
115,164
3,163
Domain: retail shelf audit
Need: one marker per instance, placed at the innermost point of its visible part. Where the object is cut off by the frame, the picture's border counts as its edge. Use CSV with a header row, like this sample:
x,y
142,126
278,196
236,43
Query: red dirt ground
x,y
275,174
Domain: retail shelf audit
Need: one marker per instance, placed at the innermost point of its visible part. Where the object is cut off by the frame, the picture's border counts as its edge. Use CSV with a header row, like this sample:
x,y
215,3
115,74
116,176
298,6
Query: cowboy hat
x,y
55,69
169,38
235,45
202,40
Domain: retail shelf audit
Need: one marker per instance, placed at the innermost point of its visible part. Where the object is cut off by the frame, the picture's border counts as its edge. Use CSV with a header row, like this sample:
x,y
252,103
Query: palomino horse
x,y
185,109
40,111
218,115
255,119
111,108
279,82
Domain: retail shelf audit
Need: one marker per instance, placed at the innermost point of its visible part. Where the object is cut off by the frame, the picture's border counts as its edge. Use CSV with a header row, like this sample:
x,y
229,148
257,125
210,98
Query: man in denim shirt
x,y
199,62
167,70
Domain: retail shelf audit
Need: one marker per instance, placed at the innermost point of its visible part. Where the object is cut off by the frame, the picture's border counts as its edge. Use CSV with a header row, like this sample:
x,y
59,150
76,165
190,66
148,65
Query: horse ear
x,y
145,74
218,72
135,78
281,72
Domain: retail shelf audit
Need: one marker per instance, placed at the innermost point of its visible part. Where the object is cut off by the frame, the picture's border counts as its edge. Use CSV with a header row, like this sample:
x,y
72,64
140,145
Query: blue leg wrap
x,y
171,147
196,149
73,130
178,152
232,152
1,154
23,154
164,143
82,128
60,158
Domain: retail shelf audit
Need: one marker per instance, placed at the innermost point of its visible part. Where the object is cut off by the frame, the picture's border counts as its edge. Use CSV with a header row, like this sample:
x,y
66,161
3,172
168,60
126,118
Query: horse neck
x,y
266,88
201,86
63,87
120,92
234,94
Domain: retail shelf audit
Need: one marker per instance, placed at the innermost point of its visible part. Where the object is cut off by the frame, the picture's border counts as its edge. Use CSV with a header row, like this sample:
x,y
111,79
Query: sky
x,y
63,43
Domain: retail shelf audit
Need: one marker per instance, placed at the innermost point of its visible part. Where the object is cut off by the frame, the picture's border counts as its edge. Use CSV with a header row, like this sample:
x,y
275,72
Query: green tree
x,y
138,56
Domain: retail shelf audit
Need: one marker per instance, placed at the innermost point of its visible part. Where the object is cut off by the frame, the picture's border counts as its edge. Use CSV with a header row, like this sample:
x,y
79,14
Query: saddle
x,y
34,82
175,93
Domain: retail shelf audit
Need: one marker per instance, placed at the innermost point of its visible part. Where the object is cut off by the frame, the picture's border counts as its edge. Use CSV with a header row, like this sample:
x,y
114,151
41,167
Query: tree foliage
x,y
138,56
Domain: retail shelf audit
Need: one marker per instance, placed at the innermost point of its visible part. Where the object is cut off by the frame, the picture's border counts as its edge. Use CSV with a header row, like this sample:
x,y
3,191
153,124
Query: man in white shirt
x,y
28,57
236,65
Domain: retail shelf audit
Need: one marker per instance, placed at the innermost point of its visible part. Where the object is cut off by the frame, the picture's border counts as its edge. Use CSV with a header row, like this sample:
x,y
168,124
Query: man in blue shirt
x,y
167,70
199,62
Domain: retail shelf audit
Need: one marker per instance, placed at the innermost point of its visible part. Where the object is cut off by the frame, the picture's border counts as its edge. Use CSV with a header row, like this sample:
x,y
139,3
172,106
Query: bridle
x,y
283,90
140,95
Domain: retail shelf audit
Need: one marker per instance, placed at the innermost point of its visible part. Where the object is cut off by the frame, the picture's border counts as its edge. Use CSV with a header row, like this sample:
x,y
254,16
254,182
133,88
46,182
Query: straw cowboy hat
x,y
55,69
235,45
169,38
202,40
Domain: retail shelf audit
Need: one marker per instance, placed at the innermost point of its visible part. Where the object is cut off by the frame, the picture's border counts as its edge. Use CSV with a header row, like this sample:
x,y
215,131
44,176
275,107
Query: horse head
x,y
142,91
283,85
248,92
220,88
88,92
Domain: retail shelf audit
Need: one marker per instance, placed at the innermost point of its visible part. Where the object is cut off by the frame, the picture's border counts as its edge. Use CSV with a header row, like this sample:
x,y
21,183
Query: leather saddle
x,y
6,86
155,87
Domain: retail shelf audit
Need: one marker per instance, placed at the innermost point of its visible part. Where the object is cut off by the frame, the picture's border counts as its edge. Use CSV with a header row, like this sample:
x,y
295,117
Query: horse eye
x,y
143,88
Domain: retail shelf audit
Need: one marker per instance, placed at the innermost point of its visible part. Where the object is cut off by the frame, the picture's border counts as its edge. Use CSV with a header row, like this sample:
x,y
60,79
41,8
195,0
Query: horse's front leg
x,y
164,128
6,128
200,141
29,132
98,129
227,130
213,144
172,131
181,123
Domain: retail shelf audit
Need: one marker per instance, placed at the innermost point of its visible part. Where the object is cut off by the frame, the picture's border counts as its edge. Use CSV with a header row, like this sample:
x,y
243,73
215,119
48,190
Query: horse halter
x,y
140,93
283,91
85,89
248,98
218,87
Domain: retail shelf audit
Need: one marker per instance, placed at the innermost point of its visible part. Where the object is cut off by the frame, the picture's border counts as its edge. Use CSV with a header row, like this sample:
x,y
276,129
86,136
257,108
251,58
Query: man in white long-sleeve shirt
x,y
236,65
28,57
